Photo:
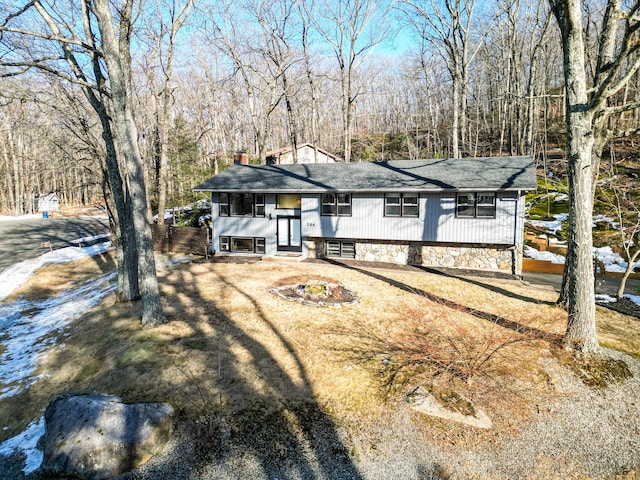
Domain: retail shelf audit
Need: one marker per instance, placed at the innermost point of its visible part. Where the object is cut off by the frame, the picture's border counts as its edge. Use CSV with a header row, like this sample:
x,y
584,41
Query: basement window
x,y
242,244
341,248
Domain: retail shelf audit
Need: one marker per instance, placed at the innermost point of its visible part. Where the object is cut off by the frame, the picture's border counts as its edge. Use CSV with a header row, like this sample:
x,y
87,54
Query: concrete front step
x,y
283,257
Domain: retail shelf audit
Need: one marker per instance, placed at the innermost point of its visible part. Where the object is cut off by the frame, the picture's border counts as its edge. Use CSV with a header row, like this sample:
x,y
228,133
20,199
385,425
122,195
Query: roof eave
x,y
363,190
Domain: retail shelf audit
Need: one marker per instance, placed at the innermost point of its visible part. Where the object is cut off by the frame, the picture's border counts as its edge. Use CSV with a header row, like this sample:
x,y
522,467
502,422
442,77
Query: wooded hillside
x,y
367,80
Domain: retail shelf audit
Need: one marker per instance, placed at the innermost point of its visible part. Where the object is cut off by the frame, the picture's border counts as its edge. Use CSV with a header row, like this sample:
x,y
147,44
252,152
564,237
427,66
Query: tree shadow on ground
x,y
487,286
445,272
526,330
241,413
279,422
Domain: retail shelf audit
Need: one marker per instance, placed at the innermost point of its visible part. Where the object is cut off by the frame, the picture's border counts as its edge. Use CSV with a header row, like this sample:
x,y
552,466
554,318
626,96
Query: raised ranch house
x,y
463,213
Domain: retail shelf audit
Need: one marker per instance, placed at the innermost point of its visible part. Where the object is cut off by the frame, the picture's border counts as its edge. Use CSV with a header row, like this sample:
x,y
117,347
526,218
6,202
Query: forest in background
x,y
370,81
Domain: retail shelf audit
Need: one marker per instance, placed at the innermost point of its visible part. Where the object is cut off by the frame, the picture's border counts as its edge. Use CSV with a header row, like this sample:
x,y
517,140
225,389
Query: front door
x,y
289,236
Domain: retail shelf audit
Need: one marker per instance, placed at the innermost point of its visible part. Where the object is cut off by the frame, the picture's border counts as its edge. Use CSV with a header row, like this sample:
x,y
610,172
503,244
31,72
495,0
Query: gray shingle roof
x,y
484,173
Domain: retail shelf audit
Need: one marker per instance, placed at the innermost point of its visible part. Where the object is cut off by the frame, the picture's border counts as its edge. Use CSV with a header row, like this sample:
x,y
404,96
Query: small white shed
x,y
47,202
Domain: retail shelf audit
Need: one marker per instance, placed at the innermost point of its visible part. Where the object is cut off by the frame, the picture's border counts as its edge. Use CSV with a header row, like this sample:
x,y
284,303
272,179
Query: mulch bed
x,y
623,305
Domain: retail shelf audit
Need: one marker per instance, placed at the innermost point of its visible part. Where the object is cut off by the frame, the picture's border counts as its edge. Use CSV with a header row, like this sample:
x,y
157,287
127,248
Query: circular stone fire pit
x,y
317,293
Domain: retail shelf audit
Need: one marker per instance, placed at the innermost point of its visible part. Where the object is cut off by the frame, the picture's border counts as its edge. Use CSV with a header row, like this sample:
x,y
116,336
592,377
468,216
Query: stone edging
x,y
278,292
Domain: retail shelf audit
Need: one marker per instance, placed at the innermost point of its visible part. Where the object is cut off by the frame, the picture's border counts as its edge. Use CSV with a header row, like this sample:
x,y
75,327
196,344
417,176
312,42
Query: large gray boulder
x,y
97,437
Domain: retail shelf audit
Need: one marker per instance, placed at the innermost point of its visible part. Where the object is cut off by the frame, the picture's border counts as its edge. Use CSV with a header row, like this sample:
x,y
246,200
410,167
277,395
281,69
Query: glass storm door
x,y
289,235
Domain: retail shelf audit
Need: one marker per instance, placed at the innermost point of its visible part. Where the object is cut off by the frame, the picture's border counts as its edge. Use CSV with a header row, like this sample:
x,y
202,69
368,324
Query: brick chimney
x,y
241,158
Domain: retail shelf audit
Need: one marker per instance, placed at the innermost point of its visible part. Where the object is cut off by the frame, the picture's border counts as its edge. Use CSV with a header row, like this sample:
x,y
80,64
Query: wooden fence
x,y
541,266
167,238
545,266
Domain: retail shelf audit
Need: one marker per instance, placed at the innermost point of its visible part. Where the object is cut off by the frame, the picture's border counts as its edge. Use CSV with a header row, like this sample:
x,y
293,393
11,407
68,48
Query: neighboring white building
x,y
306,154
47,203
450,213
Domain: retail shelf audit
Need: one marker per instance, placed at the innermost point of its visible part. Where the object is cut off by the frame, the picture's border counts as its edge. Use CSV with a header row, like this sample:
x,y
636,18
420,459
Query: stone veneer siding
x,y
476,257
314,247
400,253
487,257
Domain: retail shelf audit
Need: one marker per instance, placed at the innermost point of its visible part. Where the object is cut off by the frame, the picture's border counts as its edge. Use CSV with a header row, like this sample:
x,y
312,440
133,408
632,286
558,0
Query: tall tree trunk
x,y
455,123
579,274
117,62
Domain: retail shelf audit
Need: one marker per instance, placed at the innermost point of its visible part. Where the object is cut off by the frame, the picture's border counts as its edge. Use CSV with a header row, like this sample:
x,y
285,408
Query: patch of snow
x,y
14,276
604,298
165,261
605,219
552,226
168,215
11,218
611,260
538,255
634,298
90,239
29,329
27,442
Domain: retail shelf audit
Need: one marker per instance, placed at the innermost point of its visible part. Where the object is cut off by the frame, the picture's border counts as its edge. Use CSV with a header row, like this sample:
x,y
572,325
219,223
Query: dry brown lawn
x,y
231,346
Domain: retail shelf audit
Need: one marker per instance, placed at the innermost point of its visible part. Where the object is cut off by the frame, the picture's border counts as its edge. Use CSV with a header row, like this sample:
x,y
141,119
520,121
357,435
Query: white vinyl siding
x,y
249,227
437,221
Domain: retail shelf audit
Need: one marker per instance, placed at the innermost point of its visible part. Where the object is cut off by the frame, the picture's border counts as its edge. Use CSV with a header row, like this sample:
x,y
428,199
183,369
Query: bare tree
x,y
169,19
116,51
619,194
51,41
236,40
447,25
352,29
587,111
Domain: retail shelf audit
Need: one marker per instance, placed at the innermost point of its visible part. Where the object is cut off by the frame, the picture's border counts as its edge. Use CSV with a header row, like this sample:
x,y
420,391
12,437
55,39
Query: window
x,y
336,204
288,201
224,244
242,244
260,245
476,205
223,204
341,248
401,205
486,205
259,203
241,204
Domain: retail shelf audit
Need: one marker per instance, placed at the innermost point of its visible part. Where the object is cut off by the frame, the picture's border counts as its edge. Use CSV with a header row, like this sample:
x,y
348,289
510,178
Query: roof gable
x,y
289,149
483,173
